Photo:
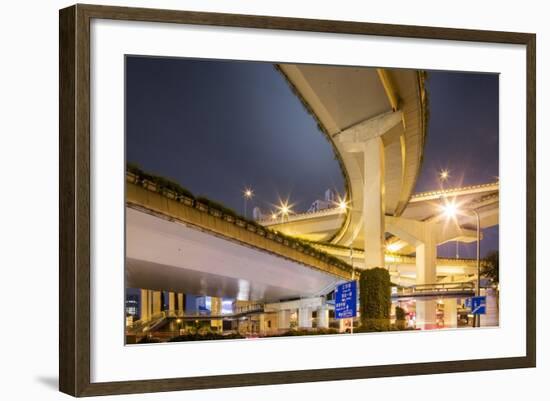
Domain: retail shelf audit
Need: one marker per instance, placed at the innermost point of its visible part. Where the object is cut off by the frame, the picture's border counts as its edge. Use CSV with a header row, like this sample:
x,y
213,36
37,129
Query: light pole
x,y
478,290
248,193
451,210
343,207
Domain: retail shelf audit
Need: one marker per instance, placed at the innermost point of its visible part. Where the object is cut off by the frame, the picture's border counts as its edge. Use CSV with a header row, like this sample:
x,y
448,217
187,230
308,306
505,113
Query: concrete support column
x,y
426,255
283,319
426,314
322,317
150,303
491,317
216,310
261,324
304,318
172,302
426,252
144,305
450,313
181,304
157,307
373,203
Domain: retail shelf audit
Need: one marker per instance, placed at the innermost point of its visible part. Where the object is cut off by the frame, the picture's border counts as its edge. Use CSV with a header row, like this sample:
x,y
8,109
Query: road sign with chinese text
x,y
345,300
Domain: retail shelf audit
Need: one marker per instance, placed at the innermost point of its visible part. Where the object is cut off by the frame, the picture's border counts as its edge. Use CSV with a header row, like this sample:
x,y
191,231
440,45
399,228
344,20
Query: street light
x,y
393,247
451,210
342,205
444,175
248,193
284,210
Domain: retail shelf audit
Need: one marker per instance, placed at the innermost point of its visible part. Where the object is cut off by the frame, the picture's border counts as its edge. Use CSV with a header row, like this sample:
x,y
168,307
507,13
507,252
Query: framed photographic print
x,y
250,200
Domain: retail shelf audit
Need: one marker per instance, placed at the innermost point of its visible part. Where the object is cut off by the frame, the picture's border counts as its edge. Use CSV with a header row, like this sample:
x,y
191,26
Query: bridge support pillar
x,y
491,316
426,314
156,302
366,137
304,318
426,256
181,304
283,319
374,203
450,312
322,317
262,326
426,252
216,310
145,305
172,302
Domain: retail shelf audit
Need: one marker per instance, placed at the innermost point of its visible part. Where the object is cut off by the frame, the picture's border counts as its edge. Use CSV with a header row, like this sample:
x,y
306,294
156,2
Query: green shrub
x,y
375,299
373,326
161,182
305,332
217,206
378,326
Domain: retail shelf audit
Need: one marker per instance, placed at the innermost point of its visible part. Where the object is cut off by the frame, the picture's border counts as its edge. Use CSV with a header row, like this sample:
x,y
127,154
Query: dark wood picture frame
x,y
74,205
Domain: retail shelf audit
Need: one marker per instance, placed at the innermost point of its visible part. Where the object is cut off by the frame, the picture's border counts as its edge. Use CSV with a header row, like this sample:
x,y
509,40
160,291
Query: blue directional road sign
x,y
468,303
479,305
345,300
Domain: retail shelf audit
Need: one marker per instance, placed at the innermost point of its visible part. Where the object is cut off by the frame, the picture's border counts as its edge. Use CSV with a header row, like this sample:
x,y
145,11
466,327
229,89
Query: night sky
x,y
463,138
217,127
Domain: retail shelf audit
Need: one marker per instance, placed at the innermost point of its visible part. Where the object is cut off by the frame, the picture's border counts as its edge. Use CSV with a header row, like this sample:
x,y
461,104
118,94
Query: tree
x,y
491,266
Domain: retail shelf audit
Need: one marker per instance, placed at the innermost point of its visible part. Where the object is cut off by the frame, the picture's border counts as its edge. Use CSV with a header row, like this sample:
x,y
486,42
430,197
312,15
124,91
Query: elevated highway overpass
x,y
375,120
404,233
177,244
422,207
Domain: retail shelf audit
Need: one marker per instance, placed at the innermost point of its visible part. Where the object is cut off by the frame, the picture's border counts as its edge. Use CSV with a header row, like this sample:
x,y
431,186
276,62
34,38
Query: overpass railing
x,y
267,221
251,308
435,289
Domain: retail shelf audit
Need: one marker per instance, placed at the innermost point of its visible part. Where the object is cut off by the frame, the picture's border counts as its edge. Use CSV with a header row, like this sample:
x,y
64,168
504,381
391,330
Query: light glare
x,y
394,246
248,193
450,210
